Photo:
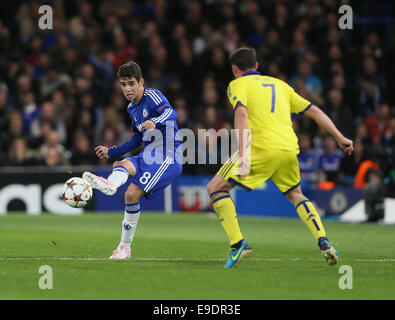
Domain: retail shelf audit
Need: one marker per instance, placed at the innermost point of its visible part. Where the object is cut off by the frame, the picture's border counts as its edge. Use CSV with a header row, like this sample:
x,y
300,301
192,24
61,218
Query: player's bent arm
x,y
323,121
326,123
127,146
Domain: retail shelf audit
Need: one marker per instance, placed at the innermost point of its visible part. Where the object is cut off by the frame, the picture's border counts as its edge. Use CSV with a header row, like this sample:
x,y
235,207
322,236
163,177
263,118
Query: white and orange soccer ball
x,y
77,192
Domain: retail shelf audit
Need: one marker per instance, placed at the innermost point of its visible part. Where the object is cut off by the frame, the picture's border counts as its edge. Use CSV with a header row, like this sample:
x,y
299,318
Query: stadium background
x,y
59,96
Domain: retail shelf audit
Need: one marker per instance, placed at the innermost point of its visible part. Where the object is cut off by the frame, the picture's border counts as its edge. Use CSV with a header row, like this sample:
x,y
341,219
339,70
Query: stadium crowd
x,y
59,96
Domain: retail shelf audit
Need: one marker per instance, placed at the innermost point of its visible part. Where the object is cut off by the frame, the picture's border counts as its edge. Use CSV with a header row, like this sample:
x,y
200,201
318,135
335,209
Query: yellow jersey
x,y
269,103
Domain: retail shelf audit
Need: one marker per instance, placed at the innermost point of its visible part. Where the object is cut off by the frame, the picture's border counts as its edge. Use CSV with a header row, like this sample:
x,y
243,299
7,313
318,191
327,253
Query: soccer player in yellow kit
x,y
262,106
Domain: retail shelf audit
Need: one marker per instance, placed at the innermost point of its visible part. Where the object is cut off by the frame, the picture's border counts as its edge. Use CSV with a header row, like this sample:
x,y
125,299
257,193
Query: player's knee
x,y
131,197
211,187
128,165
218,184
133,194
294,195
116,164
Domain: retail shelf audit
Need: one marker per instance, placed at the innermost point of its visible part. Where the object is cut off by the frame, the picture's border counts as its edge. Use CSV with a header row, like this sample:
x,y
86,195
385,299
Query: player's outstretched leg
x,y
99,183
129,223
118,177
308,214
226,213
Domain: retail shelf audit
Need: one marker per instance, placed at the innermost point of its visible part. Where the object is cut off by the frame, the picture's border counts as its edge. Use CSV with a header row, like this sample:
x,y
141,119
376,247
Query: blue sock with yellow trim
x,y
227,216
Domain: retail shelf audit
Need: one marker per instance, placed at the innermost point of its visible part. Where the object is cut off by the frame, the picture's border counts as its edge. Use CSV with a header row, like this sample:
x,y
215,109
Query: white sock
x,y
119,176
129,223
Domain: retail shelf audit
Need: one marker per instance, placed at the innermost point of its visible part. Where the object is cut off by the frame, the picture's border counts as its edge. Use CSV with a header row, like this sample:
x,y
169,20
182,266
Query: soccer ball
x,y
77,192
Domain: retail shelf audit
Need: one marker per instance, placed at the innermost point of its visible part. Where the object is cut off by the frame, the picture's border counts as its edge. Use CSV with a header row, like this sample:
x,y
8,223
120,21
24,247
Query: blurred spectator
x,y
257,36
361,133
122,50
69,61
183,120
19,155
201,42
85,124
108,139
157,79
62,108
369,97
274,50
308,160
282,21
231,36
378,124
330,159
349,164
187,67
298,46
83,152
312,82
14,131
79,24
4,111
53,80
312,95
210,119
111,121
47,114
340,113
41,65
388,139
94,82
52,158
374,195
24,85
44,126
52,144
339,83
370,70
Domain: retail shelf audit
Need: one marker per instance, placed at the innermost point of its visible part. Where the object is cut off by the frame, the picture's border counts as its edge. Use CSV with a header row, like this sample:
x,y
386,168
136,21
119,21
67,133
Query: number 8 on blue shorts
x,y
156,176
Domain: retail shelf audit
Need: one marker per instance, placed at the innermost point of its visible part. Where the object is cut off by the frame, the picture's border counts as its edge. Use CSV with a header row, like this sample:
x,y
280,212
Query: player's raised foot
x,y
99,183
121,253
330,254
236,255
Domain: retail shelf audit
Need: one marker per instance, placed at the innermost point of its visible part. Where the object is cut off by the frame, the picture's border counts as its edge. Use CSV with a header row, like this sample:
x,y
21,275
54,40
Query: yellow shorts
x,y
281,166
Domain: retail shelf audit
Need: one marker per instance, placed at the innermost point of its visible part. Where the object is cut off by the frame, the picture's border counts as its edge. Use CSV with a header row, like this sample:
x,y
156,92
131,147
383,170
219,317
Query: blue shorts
x,y
154,177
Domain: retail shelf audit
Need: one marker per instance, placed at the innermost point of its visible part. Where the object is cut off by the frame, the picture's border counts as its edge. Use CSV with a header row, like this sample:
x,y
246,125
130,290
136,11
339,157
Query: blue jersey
x,y
161,161
153,106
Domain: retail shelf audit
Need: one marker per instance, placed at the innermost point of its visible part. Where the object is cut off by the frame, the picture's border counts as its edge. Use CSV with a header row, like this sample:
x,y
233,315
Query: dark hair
x,y
243,58
130,70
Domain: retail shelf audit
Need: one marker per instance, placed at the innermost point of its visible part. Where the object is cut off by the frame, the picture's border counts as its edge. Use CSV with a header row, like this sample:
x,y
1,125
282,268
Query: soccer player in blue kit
x,y
153,169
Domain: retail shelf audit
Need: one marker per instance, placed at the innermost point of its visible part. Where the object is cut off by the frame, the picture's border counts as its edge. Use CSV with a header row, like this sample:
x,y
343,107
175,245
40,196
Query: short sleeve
x,y
158,101
237,93
298,103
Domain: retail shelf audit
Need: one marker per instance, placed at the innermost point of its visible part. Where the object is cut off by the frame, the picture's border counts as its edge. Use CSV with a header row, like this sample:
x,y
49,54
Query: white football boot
x,y
121,253
99,183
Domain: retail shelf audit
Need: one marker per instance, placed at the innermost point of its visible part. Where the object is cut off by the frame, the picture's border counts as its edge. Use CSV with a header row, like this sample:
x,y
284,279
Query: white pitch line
x,y
183,259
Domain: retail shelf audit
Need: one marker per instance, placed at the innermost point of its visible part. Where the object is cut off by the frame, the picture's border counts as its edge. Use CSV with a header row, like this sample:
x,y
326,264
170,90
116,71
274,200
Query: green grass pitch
x,y
181,256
